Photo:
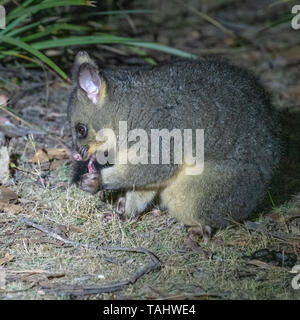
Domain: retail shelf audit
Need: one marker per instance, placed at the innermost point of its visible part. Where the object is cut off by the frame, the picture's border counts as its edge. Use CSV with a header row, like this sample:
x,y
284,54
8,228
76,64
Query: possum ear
x,y
81,58
86,75
89,81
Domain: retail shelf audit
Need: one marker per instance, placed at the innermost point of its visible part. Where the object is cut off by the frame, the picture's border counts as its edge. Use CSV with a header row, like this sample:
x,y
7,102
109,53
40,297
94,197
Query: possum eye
x,y
81,130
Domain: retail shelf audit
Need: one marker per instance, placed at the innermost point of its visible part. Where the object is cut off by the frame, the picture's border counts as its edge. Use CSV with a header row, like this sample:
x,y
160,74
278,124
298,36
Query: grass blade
x,y
14,23
34,52
108,39
54,29
81,40
120,12
163,48
46,5
21,6
25,28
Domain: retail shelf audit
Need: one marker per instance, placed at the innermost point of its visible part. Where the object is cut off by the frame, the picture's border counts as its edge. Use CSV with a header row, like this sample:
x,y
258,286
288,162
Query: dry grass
x,y
219,272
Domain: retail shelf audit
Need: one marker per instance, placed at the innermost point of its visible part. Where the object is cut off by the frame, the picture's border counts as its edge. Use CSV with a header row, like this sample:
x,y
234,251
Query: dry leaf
x,y
63,228
57,154
74,229
40,157
7,195
56,164
46,155
260,264
10,208
6,259
31,271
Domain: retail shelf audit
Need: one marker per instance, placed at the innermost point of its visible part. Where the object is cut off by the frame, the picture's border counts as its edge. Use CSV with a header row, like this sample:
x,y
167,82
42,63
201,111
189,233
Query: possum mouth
x,y
82,155
83,164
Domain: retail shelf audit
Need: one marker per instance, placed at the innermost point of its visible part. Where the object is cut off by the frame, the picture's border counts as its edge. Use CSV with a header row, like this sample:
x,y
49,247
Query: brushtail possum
x,y
241,136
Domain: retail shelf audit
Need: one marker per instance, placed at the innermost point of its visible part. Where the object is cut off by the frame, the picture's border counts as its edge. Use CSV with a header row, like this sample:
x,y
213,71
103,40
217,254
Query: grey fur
x,y
242,134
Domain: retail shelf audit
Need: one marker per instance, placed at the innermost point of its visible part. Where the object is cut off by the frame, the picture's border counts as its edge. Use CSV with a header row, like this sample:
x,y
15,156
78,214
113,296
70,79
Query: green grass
x,y
36,26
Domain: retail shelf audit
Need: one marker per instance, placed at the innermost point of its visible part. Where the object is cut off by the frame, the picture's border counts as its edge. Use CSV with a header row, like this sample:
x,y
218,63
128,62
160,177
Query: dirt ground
x,y
38,264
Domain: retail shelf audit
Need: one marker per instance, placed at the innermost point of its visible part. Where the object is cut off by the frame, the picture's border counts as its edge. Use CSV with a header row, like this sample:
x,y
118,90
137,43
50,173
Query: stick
x,y
276,234
35,127
154,264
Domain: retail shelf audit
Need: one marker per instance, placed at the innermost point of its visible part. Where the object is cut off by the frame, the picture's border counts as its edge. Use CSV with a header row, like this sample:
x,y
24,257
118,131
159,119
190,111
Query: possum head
x,y
88,112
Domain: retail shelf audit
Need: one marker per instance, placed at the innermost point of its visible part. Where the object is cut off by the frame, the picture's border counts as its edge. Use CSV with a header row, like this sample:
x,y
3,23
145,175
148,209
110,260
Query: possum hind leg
x,y
137,202
225,191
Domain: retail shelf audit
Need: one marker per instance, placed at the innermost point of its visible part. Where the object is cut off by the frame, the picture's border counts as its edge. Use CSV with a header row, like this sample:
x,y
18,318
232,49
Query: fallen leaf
x,y
57,154
11,208
63,228
75,229
260,264
56,164
6,259
40,157
7,195
46,155
31,271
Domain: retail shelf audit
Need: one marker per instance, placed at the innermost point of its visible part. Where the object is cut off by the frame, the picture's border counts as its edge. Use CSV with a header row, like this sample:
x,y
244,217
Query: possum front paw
x,y
90,182
87,173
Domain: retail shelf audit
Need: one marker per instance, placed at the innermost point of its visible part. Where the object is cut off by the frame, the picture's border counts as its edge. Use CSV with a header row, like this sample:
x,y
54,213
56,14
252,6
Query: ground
x,y
34,265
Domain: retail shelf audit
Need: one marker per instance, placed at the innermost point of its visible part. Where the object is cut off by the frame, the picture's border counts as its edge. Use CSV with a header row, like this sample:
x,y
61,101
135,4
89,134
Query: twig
x,y
20,94
36,127
14,115
19,290
276,234
25,171
154,264
206,17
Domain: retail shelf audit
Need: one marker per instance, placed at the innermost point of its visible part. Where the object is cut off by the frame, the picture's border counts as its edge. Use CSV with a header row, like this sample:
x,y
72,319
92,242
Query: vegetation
x,y
24,34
